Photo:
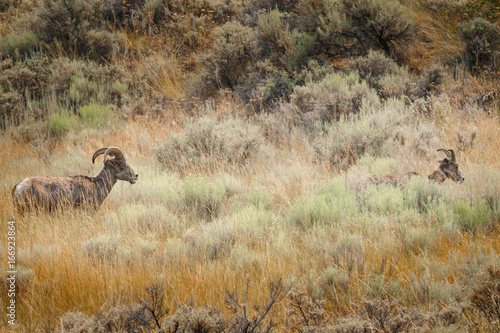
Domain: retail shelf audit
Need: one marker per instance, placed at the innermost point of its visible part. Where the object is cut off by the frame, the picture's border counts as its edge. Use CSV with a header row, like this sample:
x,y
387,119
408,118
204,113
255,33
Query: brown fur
x,y
448,169
49,193
390,179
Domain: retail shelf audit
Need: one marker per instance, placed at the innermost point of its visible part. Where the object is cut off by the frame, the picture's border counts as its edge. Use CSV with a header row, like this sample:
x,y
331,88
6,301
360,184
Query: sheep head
x,y
448,168
122,170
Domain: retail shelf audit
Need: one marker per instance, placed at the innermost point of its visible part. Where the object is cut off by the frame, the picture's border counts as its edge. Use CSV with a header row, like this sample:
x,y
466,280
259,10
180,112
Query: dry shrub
x,y
486,298
305,313
77,322
112,318
248,317
189,319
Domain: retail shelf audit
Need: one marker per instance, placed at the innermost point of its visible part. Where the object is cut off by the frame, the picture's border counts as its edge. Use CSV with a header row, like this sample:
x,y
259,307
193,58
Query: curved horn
x,y
116,152
446,152
97,153
452,155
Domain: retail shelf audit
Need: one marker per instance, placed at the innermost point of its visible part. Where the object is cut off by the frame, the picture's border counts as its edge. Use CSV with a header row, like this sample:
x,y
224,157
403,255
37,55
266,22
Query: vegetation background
x,y
252,125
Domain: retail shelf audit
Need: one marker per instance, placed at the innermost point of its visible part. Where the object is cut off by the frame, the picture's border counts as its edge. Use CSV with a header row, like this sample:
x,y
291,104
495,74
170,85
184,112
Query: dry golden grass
x,y
437,40
66,279
156,237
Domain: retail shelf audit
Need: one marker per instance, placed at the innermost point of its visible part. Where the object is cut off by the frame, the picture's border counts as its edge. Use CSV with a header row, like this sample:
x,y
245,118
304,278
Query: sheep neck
x,y
106,179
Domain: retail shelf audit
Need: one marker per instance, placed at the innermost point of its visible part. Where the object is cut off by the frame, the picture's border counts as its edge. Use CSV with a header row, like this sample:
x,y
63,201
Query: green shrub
x,y
95,115
383,199
81,89
422,194
376,24
80,82
322,19
33,88
417,239
103,45
62,122
315,71
137,216
119,88
472,217
426,290
210,145
268,86
325,206
334,280
18,45
281,45
484,184
253,222
203,195
33,75
245,257
379,166
381,287
482,41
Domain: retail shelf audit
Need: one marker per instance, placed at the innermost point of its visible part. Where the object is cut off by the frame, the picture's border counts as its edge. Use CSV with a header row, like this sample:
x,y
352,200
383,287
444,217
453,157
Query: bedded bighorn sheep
x,y
48,193
448,169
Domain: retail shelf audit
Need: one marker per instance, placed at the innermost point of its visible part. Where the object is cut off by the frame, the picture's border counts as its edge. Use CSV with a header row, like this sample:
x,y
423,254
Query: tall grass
x,y
230,201
203,236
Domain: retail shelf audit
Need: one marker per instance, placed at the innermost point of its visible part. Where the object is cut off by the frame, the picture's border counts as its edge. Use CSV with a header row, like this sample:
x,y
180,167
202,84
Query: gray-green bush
x,y
367,132
325,206
62,122
482,42
376,24
78,26
206,144
202,195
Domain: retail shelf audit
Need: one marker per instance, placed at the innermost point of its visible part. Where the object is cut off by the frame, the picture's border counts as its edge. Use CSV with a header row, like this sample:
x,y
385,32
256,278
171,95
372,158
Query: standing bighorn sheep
x,y
448,169
48,193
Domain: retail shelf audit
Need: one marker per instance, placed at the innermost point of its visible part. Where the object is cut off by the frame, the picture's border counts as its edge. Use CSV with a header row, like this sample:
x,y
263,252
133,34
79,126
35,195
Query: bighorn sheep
x,y
48,193
448,169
